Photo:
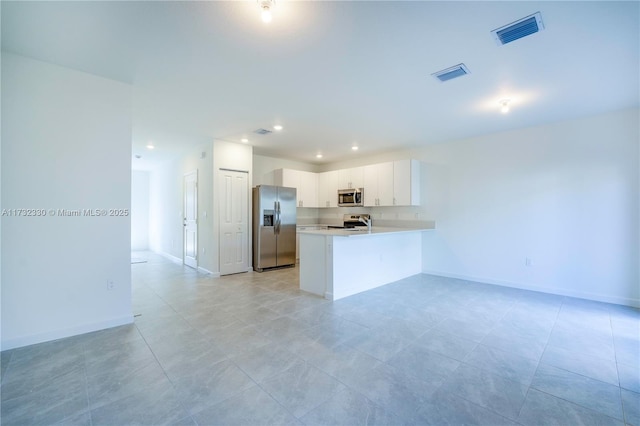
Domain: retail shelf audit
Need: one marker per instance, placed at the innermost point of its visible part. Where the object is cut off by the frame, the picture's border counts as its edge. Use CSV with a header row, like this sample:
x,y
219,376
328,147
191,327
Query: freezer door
x,y
286,251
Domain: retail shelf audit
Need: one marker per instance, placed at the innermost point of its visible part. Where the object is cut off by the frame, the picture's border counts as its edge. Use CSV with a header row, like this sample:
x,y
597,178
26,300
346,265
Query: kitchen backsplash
x,y
387,216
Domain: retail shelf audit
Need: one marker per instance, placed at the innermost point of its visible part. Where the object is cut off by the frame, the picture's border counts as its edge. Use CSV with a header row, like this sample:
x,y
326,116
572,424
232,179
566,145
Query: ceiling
x,y
336,74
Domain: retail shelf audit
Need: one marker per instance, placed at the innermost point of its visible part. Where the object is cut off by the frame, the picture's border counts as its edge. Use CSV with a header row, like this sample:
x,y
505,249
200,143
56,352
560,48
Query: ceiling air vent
x,y
450,73
262,131
516,30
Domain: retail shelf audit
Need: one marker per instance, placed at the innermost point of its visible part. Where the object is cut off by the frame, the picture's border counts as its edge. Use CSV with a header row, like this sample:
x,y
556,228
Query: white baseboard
x,y
206,271
32,339
170,257
557,291
179,262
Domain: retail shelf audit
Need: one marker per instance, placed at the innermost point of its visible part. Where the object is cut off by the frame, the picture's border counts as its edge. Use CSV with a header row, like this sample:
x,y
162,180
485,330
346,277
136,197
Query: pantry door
x,y
234,223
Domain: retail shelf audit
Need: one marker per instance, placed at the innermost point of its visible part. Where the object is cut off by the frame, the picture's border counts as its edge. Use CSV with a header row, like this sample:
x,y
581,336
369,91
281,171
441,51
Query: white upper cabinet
x,y
378,184
370,177
308,190
406,183
287,177
394,183
328,189
306,184
356,177
351,178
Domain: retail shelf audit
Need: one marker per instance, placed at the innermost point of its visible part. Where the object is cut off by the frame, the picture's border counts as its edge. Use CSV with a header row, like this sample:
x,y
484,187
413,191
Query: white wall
x,y
167,204
165,210
66,144
1,204
139,210
563,195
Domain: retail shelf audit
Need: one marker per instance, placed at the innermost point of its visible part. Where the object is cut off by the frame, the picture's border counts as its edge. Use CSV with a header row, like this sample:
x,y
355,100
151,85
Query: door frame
x,y
184,213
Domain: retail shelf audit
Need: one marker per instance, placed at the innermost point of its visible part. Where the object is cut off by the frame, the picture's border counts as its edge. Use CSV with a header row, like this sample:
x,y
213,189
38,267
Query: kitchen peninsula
x,y
337,263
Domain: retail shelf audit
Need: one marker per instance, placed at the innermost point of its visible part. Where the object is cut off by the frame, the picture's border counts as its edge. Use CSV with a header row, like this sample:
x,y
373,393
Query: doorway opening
x,y
190,221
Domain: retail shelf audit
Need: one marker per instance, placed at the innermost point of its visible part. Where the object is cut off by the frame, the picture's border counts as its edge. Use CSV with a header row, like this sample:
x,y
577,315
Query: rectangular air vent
x,y
450,73
516,30
262,131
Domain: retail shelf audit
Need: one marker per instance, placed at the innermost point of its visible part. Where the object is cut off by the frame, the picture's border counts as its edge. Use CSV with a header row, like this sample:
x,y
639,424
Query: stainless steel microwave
x,y
351,197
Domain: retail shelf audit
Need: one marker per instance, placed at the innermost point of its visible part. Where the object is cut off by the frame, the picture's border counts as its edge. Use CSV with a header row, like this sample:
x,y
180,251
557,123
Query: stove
x,y
352,221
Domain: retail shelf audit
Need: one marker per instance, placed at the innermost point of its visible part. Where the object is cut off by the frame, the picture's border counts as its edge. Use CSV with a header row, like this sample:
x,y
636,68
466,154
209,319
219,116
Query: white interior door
x,y
234,224
190,223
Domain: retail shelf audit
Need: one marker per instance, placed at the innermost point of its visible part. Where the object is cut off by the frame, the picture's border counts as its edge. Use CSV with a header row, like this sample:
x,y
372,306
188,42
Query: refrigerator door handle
x,y
275,218
278,222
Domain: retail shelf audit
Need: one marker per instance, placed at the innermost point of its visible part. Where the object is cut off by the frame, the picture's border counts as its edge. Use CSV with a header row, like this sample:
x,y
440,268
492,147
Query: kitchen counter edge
x,y
375,230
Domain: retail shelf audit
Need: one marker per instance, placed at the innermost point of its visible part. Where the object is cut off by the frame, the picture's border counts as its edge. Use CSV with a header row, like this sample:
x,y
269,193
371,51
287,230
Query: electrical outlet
x,y
110,285
528,261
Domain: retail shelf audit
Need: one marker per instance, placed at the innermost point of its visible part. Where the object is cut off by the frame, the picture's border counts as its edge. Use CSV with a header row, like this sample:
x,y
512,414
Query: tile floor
x,y
252,349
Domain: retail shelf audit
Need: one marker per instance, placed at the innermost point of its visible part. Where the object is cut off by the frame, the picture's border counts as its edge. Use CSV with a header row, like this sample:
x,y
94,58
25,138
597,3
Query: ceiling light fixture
x,y
277,127
355,148
266,6
318,155
504,105
244,140
150,146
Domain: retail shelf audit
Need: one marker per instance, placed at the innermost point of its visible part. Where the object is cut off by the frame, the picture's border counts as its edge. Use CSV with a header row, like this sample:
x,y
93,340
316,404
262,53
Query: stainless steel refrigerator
x,y
274,227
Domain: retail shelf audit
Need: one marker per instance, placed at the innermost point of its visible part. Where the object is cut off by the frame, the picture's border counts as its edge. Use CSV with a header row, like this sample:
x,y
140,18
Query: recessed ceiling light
x,y
355,148
244,140
277,127
150,146
318,155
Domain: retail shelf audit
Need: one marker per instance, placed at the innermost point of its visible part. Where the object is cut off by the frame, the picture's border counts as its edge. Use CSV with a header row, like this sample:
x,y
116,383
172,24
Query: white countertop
x,y
358,232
